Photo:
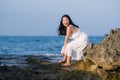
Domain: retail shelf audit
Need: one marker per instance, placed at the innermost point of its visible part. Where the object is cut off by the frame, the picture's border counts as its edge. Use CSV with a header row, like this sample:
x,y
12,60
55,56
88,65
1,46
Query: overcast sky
x,y
42,17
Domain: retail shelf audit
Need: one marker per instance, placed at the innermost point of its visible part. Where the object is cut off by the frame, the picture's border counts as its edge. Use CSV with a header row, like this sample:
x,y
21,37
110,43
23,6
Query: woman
x,y
72,49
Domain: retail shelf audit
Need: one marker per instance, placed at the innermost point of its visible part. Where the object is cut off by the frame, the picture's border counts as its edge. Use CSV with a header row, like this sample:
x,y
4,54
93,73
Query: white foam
x,y
32,54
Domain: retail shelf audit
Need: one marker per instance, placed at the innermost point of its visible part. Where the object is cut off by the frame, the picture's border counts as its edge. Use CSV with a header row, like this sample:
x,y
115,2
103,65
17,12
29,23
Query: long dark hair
x,y
62,28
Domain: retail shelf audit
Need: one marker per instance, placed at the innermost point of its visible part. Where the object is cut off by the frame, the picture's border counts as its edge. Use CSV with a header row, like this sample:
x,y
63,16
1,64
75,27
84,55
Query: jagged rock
x,y
106,54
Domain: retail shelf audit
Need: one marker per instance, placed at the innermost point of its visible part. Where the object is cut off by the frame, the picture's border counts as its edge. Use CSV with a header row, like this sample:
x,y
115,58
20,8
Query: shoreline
x,y
20,60
38,69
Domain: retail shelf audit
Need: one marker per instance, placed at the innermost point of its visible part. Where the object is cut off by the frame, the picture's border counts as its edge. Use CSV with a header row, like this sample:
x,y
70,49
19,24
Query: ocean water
x,y
46,46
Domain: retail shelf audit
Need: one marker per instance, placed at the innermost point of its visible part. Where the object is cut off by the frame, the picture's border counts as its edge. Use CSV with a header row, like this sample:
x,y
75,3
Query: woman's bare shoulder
x,y
71,25
73,28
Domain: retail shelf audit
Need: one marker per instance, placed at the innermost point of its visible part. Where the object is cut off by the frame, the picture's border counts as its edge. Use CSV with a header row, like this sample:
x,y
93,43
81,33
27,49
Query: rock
x,y
38,70
35,60
106,54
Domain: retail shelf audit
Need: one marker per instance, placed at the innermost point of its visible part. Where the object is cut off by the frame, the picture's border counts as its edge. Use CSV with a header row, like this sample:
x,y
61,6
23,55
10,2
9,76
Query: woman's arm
x,y
68,33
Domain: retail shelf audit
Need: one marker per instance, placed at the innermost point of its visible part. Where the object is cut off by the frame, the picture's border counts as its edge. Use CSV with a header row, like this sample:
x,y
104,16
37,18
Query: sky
x,y
42,17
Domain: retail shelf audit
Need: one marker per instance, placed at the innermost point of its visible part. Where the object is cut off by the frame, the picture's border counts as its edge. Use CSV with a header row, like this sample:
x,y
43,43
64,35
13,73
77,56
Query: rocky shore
x,y
101,62
105,55
45,70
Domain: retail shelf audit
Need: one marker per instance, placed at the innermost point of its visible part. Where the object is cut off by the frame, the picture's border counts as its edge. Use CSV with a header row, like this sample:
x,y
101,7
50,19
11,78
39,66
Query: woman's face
x,y
65,21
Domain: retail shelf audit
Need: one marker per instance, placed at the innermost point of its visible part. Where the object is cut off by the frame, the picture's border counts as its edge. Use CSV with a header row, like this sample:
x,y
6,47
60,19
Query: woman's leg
x,y
68,62
63,60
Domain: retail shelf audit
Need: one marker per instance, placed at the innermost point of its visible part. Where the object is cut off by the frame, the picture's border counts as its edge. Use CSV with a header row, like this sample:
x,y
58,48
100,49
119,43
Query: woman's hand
x,y
63,52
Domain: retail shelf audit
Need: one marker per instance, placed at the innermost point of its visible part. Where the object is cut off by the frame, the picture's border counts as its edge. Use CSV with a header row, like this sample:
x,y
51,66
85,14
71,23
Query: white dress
x,y
74,48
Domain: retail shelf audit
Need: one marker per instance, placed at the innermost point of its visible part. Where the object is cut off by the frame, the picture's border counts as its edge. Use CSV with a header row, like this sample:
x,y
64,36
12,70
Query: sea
x,y
15,49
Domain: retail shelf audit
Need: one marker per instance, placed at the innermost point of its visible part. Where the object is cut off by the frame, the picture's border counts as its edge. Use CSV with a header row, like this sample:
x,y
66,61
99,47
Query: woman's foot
x,y
66,65
61,61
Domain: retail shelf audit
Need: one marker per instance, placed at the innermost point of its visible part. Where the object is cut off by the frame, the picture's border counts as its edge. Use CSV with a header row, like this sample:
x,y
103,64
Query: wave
x,y
32,54
20,60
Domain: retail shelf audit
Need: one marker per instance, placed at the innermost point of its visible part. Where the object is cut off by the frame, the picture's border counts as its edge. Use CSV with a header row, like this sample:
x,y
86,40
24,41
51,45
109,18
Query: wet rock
x,y
36,60
41,71
106,54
